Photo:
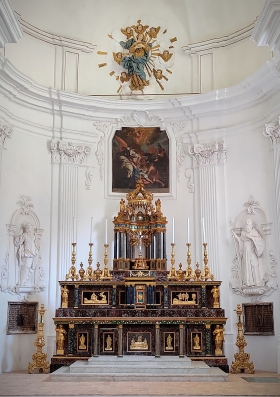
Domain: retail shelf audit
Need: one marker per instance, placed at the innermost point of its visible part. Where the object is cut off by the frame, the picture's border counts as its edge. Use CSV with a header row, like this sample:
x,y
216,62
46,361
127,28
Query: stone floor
x,y
23,384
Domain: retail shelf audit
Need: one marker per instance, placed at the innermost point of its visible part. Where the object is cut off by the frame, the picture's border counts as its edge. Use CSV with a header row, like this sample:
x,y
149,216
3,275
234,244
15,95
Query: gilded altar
x,y
140,307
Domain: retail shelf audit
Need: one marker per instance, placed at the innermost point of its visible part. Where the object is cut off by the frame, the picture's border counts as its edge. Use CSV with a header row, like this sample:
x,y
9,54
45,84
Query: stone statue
x,y
82,345
249,247
27,254
196,340
60,332
219,339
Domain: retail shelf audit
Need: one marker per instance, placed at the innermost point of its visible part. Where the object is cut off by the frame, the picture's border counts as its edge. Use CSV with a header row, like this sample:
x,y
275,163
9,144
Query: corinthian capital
x,y
272,131
5,132
208,154
68,153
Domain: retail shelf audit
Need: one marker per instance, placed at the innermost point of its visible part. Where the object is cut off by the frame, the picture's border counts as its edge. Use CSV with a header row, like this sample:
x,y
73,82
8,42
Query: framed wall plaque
x,y
258,318
184,298
22,318
82,341
95,297
138,342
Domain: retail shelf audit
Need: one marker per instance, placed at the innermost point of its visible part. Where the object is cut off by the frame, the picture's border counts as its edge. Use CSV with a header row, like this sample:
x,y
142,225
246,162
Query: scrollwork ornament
x,y
189,174
69,153
208,154
251,205
5,132
140,118
272,131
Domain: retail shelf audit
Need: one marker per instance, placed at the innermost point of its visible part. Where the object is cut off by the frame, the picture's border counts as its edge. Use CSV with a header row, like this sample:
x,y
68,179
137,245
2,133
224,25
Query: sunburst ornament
x,y
141,58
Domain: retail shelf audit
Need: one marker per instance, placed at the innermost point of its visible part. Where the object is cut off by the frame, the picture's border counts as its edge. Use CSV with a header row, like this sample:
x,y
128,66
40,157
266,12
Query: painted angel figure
x,y
27,254
165,55
153,32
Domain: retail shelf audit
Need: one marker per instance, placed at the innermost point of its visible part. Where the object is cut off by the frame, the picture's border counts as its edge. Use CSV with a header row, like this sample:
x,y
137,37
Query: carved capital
x,y
208,154
5,132
140,118
68,153
272,131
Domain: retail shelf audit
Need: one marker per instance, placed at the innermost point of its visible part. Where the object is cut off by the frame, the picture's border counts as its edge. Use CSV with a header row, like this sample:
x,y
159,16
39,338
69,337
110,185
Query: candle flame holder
x,y
89,271
172,272
106,275
189,272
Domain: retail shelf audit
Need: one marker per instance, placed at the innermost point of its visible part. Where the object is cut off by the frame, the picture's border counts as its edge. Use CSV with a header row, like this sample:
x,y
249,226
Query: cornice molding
x,y
267,29
54,39
10,30
219,42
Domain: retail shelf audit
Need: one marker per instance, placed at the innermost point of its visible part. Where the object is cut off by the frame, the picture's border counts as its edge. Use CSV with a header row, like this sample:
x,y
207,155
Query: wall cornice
x,y
251,99
10,30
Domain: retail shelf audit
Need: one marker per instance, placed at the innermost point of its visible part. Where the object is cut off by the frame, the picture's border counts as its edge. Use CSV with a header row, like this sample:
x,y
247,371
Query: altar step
x,y
140,368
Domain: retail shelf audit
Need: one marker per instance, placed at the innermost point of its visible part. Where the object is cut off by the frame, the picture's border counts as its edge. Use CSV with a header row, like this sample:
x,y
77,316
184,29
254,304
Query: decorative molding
x,y
10,30
190,175
180,152
5,132
141,118
68,153
208,154
251,205
267,28
24,204
104,129
266,228
54,39
88,174
224,41
272,131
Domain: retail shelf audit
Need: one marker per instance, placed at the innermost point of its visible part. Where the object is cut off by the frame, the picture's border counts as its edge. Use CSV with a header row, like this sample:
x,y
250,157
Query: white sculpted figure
x,y
27,254
250,247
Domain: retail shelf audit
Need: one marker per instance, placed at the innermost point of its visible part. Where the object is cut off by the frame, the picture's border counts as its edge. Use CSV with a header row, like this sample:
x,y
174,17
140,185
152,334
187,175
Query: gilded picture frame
x,y
138,342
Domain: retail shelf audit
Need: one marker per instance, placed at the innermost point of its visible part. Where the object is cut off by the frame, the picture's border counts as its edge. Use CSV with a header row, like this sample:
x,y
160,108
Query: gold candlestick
x,y
172,272
206,272
39,358
89,271
106,272
189,272
241,359
72,271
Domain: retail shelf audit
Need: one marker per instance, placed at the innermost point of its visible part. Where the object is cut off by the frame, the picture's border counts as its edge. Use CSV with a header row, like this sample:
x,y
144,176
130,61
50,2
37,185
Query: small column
x,y
158,245
120,344
157,352
208,339
76,296
164,245
120,245
95,345
71,339
152,255
116,245
181,340
203,296
114,295
127,246
165,296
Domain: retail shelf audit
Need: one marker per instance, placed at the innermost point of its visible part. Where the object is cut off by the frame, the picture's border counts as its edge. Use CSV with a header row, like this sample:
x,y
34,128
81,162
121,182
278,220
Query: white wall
x,y
39,115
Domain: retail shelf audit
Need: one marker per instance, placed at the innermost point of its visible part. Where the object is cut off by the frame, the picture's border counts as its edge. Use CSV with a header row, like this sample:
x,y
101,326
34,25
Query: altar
x,y
139,307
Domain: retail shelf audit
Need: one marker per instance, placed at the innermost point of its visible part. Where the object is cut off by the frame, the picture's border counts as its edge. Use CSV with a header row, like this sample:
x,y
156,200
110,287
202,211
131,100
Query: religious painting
x,y
95,298
22,318
184,298
108,342
82,341
140,153
169,342
196,342
138,342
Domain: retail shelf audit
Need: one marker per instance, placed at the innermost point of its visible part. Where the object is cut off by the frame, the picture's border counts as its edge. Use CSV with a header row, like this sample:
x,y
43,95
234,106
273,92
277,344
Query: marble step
x,y
63,374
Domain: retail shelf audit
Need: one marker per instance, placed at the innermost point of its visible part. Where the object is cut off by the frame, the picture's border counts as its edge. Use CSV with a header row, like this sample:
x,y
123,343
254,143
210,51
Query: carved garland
x,y
67,152
208,154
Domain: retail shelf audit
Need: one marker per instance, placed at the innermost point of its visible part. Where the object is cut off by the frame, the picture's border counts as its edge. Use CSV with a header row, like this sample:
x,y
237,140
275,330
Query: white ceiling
x,y
191,20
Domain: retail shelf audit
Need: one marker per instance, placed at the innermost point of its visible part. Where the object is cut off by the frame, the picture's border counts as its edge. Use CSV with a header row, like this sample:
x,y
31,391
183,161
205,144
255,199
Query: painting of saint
x,y
140,153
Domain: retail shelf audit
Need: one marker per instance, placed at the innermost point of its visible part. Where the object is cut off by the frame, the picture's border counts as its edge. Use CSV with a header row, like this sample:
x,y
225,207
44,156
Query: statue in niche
x,y
82,345
169,343
27,254
60,337
196,342
219,339
249,249
108,343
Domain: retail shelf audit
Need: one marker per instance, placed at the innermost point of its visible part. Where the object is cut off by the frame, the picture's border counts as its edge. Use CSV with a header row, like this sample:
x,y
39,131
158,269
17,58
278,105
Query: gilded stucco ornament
x,y
140,57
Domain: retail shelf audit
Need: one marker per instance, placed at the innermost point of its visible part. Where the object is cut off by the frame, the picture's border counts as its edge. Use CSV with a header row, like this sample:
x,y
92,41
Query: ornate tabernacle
x,y
140,307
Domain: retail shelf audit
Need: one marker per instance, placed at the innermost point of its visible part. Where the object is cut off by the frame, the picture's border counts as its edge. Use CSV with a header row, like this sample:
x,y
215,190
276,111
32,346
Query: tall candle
x,y
90,230
173,230
73,230
203,230
188,230
106,232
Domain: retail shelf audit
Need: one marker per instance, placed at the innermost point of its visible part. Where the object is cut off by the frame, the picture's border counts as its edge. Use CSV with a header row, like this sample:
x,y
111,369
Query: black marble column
x,y
76,296
71,340
164,245
127,246
203,296
95,344
152,256
165,296
181,341
114,295
158,245
157,349
120,245
120,340
208,339
116,245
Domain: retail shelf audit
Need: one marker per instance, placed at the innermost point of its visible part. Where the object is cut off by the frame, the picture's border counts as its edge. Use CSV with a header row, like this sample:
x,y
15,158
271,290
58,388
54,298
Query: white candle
x,y
90,230
73,230
173,230
106,232
203,230
188,230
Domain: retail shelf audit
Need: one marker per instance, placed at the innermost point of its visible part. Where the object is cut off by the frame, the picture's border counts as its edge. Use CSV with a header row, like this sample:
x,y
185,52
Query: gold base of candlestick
x,y
172,273
72,271
206,275
39,358
189,271
106,274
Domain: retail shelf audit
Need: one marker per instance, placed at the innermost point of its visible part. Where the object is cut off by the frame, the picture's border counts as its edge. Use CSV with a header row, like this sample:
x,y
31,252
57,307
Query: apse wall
x,y
56,155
